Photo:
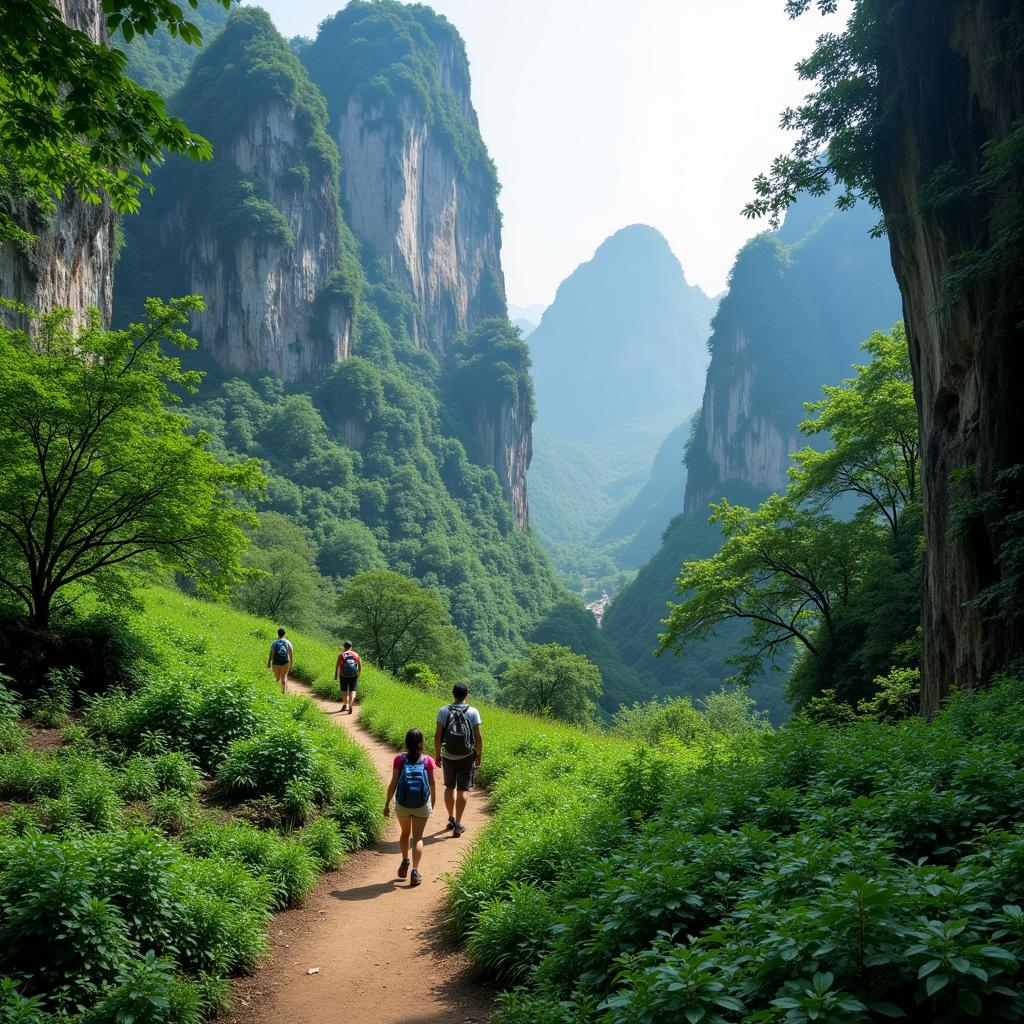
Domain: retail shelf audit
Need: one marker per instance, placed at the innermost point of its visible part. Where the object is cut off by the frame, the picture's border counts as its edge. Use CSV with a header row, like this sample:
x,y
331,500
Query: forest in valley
x,y
736,579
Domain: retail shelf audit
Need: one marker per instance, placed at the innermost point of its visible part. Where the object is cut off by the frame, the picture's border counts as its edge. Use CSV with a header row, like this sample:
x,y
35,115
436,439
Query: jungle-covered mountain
x,y
346,239
799,304
619,360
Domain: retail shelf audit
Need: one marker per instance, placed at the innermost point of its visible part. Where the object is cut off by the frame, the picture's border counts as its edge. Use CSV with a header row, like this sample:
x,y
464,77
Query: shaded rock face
x,y
71,264
958,83
793,320
266,303
505,437
434,225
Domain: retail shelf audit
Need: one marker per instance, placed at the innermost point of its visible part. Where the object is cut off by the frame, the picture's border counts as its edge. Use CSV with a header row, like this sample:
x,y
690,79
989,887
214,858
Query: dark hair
x,y
280,632
414,745
347,644
460,691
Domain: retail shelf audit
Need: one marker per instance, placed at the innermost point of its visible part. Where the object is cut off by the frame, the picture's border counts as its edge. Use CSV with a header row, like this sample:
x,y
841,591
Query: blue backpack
x,y
413,784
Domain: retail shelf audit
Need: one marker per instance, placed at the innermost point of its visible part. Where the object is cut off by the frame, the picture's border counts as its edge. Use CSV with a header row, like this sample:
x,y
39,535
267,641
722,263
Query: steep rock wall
x,y
793,321
71,263
436,230
257,230
953,74
266,303
505,437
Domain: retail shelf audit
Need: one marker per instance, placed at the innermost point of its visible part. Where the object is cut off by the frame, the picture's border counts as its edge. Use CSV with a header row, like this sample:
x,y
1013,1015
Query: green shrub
x,y
266,764
148,992
172,811
176,773
511,931
16,1008
137,779
52,706
325,842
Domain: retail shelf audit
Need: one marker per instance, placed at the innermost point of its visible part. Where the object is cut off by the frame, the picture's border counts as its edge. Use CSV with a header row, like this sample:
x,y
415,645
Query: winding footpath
x,y
382,952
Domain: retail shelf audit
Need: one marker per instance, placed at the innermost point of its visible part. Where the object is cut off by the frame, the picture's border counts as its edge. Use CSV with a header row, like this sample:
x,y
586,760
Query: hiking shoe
x,y
403,868
451,822
458,829
416,878
344,707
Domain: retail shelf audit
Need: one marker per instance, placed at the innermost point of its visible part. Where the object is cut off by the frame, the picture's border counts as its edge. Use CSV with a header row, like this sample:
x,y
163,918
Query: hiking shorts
x,y
458,772
349,684
413,812
281,671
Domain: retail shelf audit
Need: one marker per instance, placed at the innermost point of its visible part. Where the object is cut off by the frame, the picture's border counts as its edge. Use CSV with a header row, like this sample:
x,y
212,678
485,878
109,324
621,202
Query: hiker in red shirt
x,y
346,671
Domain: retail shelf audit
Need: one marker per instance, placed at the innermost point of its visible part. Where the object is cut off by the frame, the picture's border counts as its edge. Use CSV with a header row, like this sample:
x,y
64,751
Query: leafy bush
x,y
847,875
53,705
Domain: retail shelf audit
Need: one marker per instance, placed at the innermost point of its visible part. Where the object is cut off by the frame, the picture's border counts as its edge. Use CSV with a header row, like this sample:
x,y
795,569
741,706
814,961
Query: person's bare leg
x,y
449,800
460,804
403,840
418,825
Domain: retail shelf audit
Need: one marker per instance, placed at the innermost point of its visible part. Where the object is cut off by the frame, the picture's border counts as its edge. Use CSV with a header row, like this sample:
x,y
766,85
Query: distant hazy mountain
x,y
524,325
533,313
625,338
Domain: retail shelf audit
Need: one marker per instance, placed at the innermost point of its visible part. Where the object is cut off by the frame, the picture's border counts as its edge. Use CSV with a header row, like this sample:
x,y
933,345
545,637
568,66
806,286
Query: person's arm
x,y
337,668
438,732
433,787
478,736
291,655
391,791
270,656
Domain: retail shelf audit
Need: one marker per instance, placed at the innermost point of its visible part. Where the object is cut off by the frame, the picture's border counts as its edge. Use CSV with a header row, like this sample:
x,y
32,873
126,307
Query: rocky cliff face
x,y
269,304
417,185
956,83
435,228
505,438
792,321
71,264
257,231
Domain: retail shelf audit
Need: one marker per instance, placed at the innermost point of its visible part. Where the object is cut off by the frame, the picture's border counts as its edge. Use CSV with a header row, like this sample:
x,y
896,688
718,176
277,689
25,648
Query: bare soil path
x,y
383,953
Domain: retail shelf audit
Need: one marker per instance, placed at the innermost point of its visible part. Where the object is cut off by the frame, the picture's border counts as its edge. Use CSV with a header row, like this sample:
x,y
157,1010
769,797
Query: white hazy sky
x,y
602,113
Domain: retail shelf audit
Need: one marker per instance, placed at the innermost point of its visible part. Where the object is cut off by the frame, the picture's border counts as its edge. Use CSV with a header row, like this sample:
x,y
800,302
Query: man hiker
x,y
458,746
280,659
346,671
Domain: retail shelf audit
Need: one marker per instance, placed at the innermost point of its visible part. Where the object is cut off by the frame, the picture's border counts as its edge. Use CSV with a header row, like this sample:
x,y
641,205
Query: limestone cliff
x,y
418,187
256,232
505,439
792,321
951,181
71,263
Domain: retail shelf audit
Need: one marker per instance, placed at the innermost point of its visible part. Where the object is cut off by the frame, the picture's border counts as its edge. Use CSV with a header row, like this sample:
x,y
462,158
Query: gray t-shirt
x,y
442,717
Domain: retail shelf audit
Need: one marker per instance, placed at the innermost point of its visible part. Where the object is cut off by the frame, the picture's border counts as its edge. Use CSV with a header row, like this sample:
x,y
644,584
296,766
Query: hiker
x,y
412,786
280,660
458,746
346,671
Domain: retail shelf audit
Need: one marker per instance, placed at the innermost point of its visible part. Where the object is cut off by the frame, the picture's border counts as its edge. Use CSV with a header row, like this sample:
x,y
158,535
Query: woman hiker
x,y
412,786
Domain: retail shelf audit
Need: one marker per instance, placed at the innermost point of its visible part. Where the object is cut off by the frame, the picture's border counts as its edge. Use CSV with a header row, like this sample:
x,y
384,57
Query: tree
x,y
70,116
394,621
281,581
918,107
784,569
871,420
554,682
102,480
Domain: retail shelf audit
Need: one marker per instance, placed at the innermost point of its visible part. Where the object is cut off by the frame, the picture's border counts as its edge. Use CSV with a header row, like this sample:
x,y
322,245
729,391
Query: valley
x,y
722,544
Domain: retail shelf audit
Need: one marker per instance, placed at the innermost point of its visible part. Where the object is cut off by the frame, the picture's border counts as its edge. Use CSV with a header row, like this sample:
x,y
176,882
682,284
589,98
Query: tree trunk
x,y
952,75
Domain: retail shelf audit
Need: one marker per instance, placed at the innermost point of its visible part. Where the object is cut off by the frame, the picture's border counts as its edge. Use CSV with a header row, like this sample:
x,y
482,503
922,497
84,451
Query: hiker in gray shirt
x,y
458,745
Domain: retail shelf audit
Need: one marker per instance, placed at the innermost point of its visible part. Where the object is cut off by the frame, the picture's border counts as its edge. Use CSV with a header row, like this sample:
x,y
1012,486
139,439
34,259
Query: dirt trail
x,y
383,953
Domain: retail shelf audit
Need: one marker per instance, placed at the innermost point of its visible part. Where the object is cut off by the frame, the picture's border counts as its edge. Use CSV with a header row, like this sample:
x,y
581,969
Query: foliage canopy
x,y
102,479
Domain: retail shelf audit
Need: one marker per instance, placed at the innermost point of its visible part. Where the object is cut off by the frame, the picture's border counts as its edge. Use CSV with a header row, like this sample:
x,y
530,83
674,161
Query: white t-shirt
x,y
473,717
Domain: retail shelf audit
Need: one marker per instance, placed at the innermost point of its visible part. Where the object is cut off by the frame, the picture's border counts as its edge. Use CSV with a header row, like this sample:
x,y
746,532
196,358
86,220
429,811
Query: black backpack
x,y
457,738
349,665
280,649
